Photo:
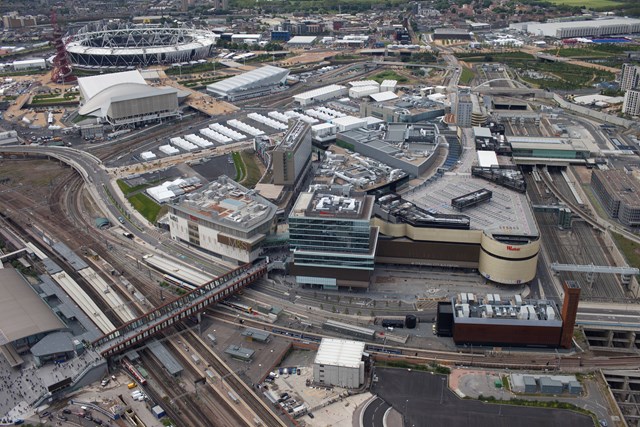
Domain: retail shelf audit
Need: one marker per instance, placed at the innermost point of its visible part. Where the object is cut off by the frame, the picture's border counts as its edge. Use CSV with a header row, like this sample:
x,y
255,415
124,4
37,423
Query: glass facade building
x,y
332,238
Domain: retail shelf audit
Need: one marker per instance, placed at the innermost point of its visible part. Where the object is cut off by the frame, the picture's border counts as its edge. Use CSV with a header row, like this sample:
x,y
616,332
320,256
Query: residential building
x,y
629,76
292,157
631,104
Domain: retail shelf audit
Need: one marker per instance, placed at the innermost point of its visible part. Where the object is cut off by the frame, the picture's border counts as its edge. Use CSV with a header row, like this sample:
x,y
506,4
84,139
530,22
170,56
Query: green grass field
x,y
252,170
466,76
590,4
147,207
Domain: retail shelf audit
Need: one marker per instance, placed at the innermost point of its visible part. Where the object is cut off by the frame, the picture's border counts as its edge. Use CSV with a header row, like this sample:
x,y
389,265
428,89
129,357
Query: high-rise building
x,y
463,109
292,157
631,104
629,76
332,241
569,312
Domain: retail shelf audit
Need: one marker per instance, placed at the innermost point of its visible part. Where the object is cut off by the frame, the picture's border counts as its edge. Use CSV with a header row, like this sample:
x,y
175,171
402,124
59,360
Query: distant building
x,y
13,21
292,157
631,104
223,219
451,34
339,363
629,76
592,28
258,82
619,193
333,244
221,4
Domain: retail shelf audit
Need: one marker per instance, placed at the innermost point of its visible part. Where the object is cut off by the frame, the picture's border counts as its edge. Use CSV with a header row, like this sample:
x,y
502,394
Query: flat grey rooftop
x,y
508,212
165,358
74,260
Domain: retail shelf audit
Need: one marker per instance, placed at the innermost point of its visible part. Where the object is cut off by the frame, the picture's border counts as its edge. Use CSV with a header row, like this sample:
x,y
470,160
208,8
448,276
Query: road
x,y
374,414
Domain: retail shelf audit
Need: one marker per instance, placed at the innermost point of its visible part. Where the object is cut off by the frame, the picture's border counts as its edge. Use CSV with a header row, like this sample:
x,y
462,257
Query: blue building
x,y
280,36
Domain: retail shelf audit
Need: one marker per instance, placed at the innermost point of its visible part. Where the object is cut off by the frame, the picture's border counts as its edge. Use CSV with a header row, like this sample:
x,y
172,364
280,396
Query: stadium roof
x,y
263,76
22,312
337,352
91,86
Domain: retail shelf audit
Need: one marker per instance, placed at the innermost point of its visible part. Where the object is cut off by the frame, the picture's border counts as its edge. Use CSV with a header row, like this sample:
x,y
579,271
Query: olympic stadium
x,y
125,46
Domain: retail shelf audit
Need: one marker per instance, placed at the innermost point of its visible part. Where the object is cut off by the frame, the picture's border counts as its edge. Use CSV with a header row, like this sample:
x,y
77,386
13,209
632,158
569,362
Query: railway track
x,y
267,417
468,357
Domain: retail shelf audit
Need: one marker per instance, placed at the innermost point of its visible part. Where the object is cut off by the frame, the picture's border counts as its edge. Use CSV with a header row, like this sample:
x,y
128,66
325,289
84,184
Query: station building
x,y
126,99
25,320
223,219
332,241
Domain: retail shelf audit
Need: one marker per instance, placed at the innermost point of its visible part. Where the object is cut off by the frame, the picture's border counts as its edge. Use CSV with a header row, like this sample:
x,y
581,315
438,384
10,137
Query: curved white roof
x,y
91,86
99,104
255,78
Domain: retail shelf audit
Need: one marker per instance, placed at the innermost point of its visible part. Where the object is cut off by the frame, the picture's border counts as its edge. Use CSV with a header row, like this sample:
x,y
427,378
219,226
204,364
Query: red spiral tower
x,y
62,72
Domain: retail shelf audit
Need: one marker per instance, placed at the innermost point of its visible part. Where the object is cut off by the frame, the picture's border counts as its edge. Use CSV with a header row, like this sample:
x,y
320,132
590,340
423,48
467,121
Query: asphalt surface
x,y
426,401
374,414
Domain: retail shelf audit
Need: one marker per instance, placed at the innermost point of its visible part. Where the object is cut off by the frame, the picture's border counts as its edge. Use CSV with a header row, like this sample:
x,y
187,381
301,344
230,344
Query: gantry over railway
x,y
135,332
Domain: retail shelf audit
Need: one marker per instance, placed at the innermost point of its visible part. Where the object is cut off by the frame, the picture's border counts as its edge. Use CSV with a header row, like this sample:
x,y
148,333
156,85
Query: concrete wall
x,y
339,376
608,118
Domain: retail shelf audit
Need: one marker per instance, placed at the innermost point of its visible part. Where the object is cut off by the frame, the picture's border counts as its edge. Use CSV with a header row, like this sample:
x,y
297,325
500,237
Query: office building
x,y
223,219
332,241
12,21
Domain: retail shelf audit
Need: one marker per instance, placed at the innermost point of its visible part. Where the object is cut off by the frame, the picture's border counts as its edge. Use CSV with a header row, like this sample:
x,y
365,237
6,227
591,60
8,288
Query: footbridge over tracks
x,y
138,330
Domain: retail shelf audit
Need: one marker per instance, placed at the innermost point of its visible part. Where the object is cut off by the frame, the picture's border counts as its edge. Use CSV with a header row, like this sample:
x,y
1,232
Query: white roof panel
x,y
302,40
337,352
364,83
486,159
320,91
348,120
383,96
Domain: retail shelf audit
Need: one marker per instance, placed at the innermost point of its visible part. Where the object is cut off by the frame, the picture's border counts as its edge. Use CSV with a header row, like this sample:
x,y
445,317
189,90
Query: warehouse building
x,y
332,241
592,28
339,363
126,99
320,94
258,82
223,219
29,64
301,42
619,194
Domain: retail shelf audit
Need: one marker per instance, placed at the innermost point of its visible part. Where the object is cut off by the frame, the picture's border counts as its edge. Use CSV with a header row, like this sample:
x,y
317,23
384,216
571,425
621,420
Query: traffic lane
x,y
427,401
374,414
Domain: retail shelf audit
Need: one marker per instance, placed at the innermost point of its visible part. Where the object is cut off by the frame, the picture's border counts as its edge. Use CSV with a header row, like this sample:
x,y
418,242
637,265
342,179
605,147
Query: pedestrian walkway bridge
x,y
138,330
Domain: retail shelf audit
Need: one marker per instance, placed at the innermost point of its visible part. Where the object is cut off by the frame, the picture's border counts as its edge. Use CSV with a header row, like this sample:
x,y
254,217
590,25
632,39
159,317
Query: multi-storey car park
x,y
108,45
